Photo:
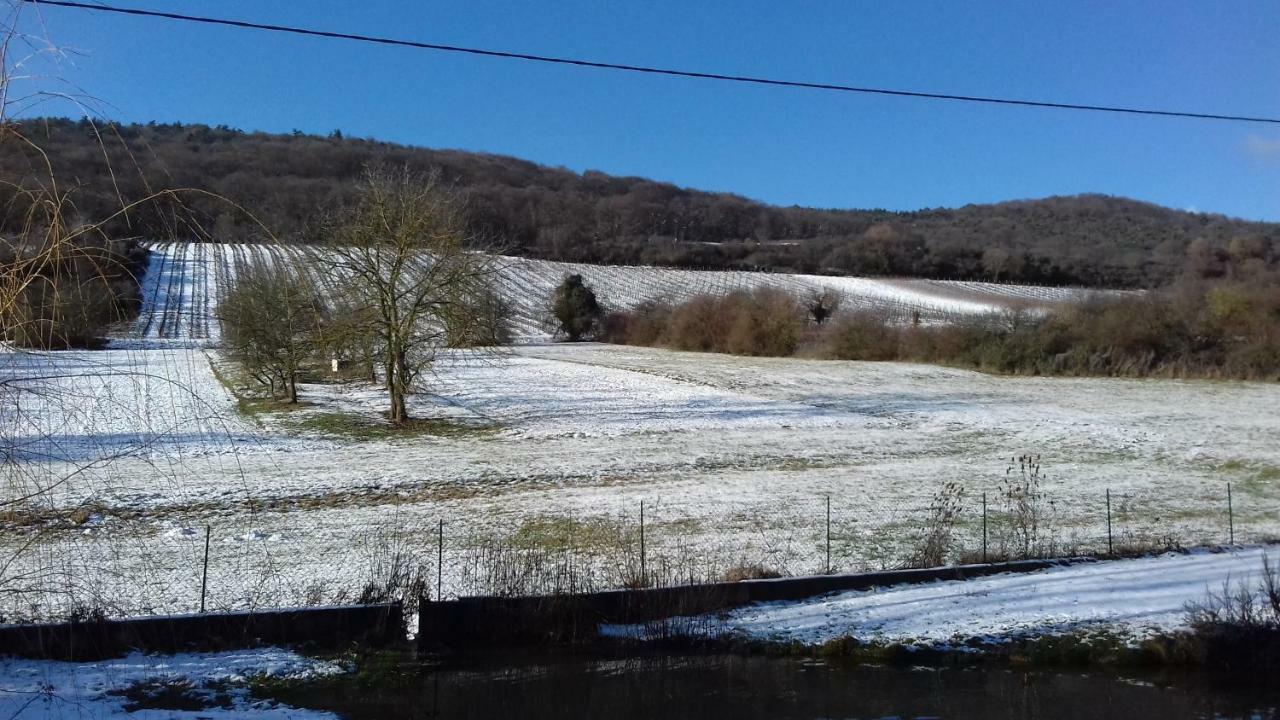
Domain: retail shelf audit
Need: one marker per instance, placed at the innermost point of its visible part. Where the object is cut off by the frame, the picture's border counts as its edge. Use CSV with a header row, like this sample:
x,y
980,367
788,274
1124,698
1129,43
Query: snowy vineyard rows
x,y
184,280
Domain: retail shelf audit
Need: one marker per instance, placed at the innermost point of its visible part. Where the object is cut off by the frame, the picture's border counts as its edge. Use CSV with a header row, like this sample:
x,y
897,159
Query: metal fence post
x,y
1231,515
1110,545
204,577
984,528
439,560
828,534
643,568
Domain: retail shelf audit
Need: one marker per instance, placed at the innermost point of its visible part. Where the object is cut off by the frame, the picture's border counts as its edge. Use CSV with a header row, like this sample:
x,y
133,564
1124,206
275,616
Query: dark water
x,y
734,688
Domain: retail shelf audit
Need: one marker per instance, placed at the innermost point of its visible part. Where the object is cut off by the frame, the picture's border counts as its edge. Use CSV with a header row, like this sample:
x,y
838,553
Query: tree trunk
x,y
390,379
293,388
400,389
399,413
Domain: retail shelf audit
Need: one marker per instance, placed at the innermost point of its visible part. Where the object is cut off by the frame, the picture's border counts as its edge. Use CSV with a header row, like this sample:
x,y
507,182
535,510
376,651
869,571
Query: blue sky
x,y
782,146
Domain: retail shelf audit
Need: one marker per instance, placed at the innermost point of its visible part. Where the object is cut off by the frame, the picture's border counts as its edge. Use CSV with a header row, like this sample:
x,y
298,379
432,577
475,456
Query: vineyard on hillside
x,y
183,282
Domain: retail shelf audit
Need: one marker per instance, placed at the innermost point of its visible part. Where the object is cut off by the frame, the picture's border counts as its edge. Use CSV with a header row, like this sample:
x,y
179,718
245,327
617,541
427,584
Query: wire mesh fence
x,y
248,561
659,542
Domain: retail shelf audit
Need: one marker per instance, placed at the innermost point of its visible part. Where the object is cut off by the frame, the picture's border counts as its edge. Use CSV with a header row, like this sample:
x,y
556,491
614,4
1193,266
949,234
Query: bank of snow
x,y
1134,597
49,689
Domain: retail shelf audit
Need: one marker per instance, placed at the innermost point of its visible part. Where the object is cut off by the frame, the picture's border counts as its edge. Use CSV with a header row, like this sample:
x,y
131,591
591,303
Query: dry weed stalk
x,y
934,543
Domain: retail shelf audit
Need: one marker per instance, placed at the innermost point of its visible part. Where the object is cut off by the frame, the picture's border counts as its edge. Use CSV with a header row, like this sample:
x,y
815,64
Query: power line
x,y
243,24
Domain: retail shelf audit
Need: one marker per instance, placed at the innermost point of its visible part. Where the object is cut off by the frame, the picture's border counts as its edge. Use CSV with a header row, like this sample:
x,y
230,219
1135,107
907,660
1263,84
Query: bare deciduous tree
x,y
270,321
822,304
485,323
347,333
403,257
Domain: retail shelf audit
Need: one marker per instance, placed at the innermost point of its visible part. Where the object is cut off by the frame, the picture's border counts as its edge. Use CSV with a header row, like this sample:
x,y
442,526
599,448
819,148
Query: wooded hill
x,y
289,181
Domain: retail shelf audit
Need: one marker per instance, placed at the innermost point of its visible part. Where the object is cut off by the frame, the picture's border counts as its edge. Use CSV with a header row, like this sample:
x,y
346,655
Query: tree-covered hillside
x,y
290,181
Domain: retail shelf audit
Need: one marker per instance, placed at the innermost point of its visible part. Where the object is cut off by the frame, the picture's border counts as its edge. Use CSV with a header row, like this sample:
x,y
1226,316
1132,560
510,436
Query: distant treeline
x,y
1208,329
289,181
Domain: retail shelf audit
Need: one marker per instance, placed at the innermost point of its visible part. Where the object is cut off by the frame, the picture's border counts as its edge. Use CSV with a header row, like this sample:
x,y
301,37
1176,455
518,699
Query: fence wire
x,y
659,542
438,551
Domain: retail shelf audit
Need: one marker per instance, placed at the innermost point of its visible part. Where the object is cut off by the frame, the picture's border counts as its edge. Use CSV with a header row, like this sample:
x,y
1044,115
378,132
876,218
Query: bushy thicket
x,y
558,214
1228,329
764,321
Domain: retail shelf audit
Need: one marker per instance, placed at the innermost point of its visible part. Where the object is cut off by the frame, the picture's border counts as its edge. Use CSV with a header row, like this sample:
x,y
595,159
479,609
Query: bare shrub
x,y
1132,545
1024,528
1238,628
647,324
348,332
397,570
485,322
616,327
559,554
699,324
552,555
863,335
1230,328
1256,607
766,321
934,540
499,567
68,300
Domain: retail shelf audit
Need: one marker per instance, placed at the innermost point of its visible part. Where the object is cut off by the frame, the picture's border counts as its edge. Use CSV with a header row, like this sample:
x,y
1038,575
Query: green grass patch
x,y
557,533
1258,478
358,427
248,403
256,406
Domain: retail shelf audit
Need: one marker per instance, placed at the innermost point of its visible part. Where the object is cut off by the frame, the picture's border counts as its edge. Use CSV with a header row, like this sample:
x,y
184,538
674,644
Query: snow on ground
x,y
183,280
149,401
124,427
32,689
530,282
733,457
1134,597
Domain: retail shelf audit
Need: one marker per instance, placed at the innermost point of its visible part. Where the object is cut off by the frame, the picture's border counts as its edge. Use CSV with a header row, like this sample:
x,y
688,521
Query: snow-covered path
x,y
1132,596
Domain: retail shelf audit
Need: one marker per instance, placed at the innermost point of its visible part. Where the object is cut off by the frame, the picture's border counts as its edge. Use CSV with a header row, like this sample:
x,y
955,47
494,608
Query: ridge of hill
x,y
288,181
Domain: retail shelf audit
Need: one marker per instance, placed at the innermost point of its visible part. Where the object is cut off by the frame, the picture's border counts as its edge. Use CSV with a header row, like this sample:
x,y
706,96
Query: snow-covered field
x,y
1134,597
31,689
734,458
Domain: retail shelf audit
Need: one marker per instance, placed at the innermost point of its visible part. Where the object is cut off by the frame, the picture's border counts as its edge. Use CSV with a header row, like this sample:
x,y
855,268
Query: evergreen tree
x,y
576,309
